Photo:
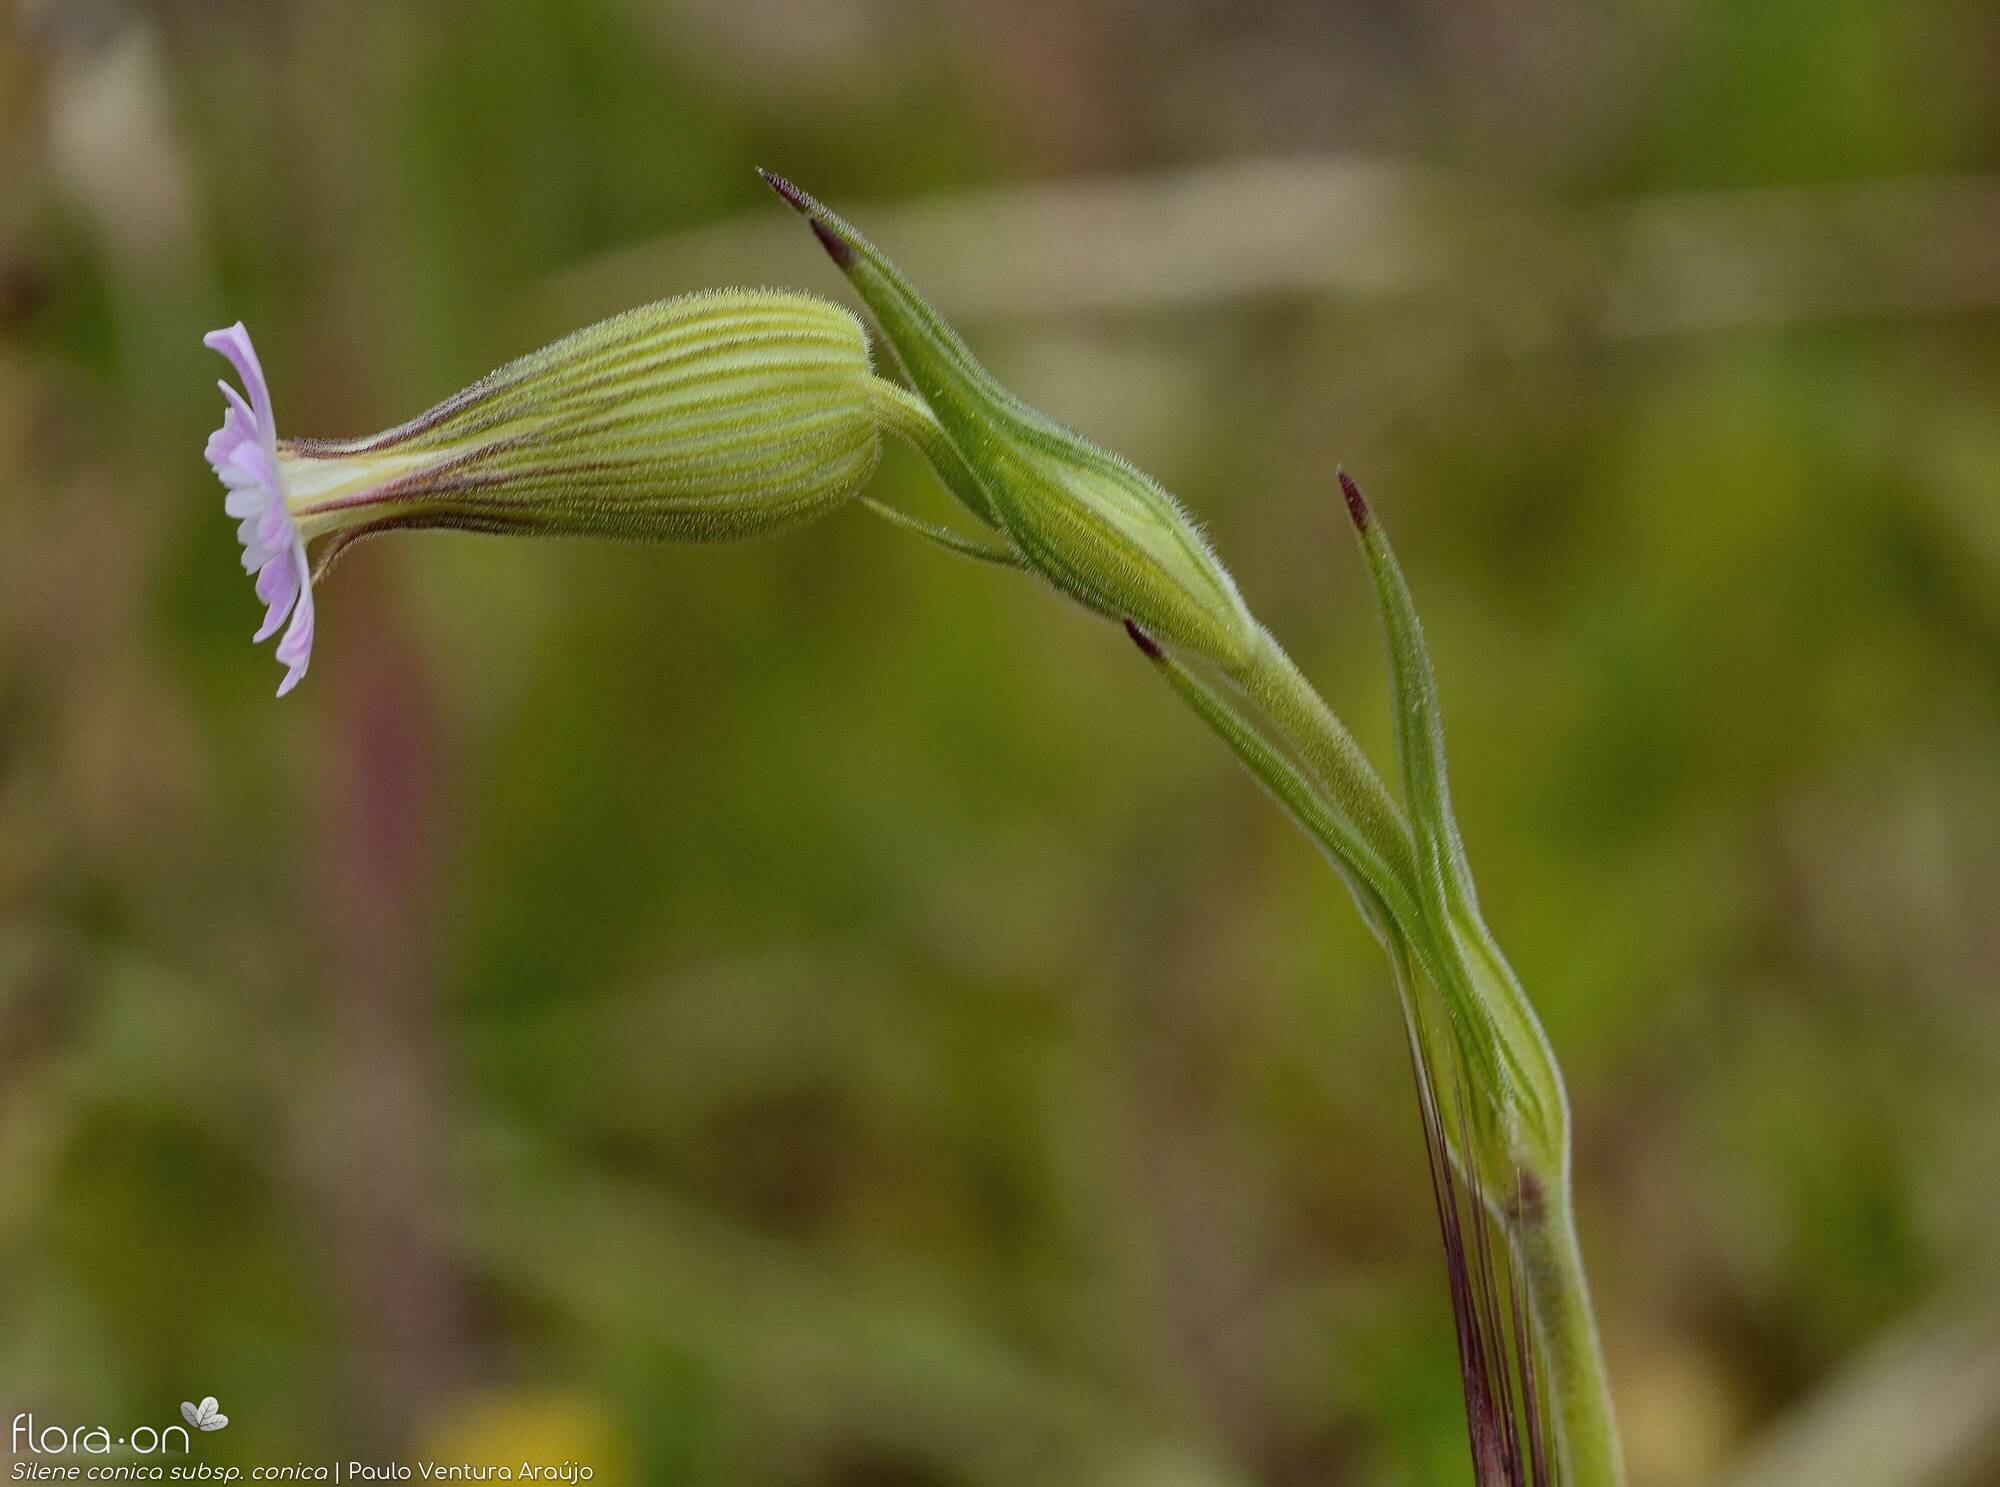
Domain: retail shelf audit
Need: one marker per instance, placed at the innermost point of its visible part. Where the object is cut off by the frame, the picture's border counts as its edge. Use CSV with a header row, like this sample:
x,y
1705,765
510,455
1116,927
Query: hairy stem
x,y
1543,1222
1313,733
1301,752
1545,1228
909,417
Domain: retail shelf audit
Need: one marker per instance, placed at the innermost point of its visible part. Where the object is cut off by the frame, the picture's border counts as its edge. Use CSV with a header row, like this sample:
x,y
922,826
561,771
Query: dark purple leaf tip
x,y
1144,641
794,198
837,247
1357,507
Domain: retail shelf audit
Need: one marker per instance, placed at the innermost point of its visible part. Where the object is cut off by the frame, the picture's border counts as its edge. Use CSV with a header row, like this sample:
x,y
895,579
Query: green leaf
x,y
1379,890
1480,987
944,537
1085,520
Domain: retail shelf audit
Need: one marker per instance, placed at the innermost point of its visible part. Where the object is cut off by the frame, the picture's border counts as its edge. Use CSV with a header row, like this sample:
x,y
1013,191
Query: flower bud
x,y
714,416
1088,522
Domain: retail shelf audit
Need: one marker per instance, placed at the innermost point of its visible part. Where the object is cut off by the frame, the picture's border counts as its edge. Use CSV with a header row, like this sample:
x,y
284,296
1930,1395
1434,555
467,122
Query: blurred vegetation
x,y
814,1013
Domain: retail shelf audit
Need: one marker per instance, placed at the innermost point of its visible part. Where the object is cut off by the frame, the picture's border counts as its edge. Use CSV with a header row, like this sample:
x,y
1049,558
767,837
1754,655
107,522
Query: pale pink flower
x,y
244,452
712,416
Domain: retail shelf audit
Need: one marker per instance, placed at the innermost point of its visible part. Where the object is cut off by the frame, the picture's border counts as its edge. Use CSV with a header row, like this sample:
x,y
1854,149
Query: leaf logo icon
x,y
204,1416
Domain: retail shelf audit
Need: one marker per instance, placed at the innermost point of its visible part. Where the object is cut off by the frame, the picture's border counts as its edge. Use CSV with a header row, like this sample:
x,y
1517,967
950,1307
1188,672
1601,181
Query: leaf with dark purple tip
x,y
1357,505
1149,646
1086,521
1530,1100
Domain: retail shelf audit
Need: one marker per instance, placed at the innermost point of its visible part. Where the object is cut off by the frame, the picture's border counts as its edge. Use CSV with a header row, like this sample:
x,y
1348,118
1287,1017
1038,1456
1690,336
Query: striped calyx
x,y
708,417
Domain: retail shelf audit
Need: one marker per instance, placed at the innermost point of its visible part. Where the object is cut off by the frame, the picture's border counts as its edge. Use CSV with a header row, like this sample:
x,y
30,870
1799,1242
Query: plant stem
x,y
1306,758
1543,1223
910,418
1312,732
1559,1294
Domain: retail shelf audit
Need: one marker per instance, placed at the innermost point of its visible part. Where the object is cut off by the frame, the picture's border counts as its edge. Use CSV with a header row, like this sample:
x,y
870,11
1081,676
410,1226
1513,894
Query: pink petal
x,y
234,343
278,577
281,582
250,463
275,615
244,454
238,424
295,650
236,405
296,647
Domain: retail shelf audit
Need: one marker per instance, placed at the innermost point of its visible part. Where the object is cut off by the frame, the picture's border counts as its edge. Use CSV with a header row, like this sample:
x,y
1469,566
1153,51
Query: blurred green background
x,y
813,1012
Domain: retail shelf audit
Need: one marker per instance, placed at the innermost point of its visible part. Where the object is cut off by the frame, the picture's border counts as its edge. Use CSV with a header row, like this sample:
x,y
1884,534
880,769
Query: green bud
x,y
708,417
1088,522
